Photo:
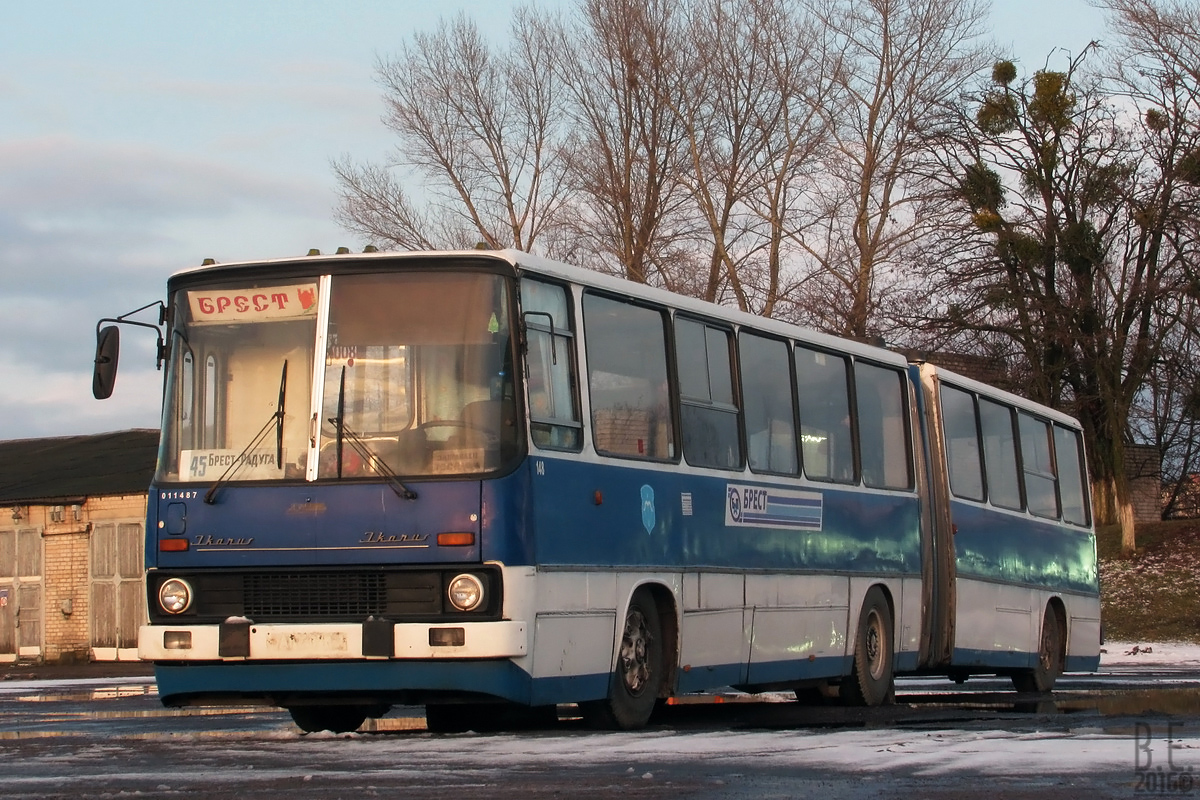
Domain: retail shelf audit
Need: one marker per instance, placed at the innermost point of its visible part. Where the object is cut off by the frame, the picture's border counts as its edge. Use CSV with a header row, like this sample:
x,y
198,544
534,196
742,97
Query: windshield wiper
x,y
276,420
279,416
345,434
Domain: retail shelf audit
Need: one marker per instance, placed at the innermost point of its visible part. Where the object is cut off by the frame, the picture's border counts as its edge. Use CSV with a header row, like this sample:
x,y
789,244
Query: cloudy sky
x,y
138,137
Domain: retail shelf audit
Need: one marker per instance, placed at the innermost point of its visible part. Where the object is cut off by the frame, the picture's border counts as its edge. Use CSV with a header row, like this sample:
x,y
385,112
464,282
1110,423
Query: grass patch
x,y
1154,596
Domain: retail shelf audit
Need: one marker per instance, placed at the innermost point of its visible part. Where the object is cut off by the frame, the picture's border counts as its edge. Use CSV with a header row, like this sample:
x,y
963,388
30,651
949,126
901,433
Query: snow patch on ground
x,y
1149,654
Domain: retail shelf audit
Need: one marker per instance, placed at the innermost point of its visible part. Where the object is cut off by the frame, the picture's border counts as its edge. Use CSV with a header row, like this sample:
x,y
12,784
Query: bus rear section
x,y
1011,476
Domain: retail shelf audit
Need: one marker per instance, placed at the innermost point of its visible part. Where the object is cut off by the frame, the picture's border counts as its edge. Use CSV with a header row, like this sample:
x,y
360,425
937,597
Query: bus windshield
x,y
415,378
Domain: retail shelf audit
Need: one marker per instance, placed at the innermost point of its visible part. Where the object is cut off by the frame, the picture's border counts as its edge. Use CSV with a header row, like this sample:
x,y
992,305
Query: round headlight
x,y
175,596
465,592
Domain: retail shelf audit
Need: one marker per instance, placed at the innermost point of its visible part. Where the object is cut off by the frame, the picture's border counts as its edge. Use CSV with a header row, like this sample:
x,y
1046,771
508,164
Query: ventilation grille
x,y
314,595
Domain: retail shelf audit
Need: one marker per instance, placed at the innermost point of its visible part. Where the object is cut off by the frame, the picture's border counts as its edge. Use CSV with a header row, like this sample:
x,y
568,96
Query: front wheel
x,y
872,682
1050,659
633,686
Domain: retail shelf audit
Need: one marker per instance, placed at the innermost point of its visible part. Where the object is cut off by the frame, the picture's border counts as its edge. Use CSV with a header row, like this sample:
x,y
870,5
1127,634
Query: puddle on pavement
x,y
1176,701
1173,701
1180,701
88,695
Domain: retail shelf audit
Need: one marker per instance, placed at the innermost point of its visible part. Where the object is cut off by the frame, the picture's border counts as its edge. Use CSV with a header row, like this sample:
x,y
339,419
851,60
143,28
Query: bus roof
x,y
991,392
527,262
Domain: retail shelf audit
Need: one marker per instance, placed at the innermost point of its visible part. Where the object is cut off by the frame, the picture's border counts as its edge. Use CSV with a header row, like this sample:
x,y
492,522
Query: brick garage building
x,y
1143,466
72,519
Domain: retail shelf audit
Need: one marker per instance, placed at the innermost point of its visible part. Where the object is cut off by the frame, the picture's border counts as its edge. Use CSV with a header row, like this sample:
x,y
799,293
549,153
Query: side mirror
x,y
104,372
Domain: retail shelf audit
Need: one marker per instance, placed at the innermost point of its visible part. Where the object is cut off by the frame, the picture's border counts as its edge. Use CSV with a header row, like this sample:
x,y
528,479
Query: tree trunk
x,y
1113,505
1125,517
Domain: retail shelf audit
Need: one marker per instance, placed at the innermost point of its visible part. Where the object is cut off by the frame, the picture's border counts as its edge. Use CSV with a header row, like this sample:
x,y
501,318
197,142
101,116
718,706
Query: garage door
x,y
20,593
118,605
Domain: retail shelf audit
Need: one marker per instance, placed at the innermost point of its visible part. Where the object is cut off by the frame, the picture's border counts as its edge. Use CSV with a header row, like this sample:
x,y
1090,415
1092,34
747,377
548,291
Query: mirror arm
x,y
161,352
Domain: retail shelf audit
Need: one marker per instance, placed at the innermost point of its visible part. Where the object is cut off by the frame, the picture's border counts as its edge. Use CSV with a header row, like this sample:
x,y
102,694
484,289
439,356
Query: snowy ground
x,y
1149,654
1075,750
1095,750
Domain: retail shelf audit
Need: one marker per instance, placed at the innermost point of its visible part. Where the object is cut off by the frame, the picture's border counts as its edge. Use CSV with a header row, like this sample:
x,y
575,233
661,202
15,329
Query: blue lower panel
x,y
993,659
699,679
906,662
799,670
1082,663
986,659
501,679
498,678
572,689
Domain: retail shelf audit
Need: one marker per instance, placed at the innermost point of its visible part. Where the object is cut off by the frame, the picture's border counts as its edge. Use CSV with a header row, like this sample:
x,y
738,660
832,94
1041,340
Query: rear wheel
x,y
633,686
872,682
1050,658
338,719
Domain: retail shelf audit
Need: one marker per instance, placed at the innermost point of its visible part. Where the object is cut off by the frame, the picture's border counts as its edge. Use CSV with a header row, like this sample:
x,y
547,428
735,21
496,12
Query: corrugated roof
x,y
43,470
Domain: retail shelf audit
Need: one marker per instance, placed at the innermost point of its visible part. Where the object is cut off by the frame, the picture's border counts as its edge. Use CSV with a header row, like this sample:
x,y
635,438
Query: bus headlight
x,y
175,596
465,592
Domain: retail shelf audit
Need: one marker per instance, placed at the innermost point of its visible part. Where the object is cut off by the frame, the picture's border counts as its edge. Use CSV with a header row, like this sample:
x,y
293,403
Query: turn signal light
x,y
172,545
455,539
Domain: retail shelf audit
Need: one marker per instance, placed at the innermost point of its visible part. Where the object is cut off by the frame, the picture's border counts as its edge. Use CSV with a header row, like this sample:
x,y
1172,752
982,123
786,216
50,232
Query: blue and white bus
x,y
483,481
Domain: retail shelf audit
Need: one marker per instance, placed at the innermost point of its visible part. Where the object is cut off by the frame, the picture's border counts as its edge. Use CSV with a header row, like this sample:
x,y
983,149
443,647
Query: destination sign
x,y
261,304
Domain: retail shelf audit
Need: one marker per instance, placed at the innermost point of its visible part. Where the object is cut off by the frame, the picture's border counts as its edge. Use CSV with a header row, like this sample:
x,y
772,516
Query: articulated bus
x,y
491,484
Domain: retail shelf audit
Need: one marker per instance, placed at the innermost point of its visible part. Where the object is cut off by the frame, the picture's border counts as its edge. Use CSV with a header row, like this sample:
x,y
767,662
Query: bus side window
x,y
627,379
1000,455
961,431
708,415
826,443
550,367
882,427
766,380
1037,462
1071,478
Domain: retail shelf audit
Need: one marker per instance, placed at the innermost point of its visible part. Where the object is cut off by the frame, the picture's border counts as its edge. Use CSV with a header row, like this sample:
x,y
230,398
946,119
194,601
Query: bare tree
x,y
619,58
481,129
753,128
1155,64
896,65
1160,34
1166,413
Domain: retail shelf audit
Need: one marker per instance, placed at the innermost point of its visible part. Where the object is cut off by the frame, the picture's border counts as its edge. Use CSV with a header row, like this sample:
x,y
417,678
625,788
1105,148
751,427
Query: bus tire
x,y
1041,678
633,686
337,719
872,679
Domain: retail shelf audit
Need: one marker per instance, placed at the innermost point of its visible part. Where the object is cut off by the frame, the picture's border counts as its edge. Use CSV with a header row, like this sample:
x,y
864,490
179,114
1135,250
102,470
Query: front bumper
x,y
247,641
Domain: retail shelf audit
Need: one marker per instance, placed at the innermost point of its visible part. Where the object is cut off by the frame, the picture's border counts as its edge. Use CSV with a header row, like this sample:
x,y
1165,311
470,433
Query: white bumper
x,y
336,641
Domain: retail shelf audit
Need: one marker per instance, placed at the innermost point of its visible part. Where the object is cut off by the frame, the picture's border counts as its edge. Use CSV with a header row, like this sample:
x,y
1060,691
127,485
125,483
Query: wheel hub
x,y
635,648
